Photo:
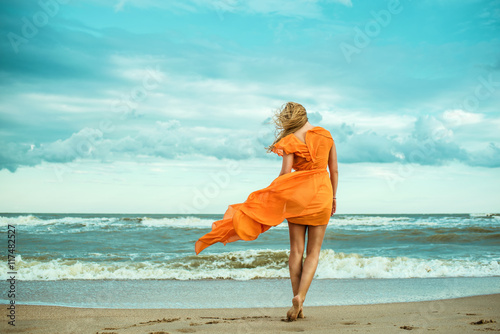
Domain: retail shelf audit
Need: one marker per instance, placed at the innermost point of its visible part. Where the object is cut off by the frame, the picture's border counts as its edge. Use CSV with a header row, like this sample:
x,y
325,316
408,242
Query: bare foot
x,y
301,314
294,311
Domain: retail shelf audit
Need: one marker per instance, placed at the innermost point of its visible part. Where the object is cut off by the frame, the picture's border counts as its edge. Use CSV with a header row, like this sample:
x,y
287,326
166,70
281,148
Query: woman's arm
x,y
286,167
334,174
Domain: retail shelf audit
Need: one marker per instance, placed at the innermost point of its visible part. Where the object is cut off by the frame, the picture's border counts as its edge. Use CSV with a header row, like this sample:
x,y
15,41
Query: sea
x,y
148,261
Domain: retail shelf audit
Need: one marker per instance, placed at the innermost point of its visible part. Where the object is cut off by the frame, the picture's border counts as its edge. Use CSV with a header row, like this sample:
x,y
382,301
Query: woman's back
x,y
311,148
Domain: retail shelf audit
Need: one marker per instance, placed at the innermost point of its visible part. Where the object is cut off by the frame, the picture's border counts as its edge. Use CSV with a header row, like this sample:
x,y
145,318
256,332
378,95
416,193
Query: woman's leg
x,y
297,245
315,237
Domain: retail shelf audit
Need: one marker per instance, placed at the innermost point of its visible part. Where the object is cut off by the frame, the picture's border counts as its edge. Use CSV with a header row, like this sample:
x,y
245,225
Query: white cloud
x,y
390,124
430,128
458,117
429,143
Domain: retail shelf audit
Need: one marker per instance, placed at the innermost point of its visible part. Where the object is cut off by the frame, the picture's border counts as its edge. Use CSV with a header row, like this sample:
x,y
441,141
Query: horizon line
x,y
219,213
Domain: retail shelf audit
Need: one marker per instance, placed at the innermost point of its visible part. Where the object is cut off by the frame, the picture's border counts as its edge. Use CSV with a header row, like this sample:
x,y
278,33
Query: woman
x,y
305,198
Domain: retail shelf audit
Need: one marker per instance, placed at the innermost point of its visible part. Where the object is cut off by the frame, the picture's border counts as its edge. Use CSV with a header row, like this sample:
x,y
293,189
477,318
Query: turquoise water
x,y
249,293
90,246
54,251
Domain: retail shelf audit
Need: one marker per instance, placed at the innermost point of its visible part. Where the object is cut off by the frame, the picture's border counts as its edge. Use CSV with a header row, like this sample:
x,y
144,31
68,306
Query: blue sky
x,y
163,106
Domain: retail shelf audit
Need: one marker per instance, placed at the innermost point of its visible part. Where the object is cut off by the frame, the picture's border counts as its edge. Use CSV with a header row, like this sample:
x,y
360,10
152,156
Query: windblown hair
x,y
291,117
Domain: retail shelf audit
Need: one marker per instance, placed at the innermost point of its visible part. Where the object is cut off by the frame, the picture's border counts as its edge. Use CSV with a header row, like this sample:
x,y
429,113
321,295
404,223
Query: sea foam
x,y
251,264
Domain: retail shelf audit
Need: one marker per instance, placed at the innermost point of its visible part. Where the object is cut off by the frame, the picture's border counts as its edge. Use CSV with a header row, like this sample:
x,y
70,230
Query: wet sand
x,y
461,315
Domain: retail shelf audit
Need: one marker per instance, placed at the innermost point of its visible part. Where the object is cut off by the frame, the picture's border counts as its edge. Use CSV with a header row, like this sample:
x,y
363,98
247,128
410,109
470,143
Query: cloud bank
x,y
429,143
177,88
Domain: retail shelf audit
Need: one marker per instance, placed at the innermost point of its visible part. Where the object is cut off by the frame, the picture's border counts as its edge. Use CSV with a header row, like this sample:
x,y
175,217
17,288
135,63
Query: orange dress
x,y
301,197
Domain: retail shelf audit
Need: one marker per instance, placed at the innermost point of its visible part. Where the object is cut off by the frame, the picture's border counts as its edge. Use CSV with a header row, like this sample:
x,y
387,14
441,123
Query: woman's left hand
x,y
334,206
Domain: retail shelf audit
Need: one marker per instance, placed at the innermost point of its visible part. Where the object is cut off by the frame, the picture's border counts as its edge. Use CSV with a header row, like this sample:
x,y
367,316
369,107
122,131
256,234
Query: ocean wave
x,y
21,220
340,265
370,223
485,215
354,228
347,222
107,222
251,264
432,235
178,222
31,220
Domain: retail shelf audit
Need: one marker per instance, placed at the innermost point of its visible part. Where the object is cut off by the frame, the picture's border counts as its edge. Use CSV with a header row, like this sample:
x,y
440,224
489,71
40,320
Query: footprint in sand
x,y
146,323
349,323
159,321
408,328
195,324
482,322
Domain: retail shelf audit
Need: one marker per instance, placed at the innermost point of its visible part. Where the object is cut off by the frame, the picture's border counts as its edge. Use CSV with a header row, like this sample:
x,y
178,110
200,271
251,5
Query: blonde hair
x,y
288,119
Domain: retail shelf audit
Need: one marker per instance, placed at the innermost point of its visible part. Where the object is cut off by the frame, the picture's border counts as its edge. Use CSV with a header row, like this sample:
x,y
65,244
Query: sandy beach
x,y
461,315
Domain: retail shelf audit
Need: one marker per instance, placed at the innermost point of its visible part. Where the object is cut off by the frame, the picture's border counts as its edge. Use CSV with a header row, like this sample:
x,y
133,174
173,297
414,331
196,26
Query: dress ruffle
x,y
291,144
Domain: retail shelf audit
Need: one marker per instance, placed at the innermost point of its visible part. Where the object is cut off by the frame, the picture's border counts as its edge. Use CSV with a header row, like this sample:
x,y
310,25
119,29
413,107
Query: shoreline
x,y
262,293
3,303
458,315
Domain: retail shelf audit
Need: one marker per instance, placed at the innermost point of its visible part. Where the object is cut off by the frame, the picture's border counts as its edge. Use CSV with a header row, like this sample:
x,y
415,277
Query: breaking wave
x,y
251,264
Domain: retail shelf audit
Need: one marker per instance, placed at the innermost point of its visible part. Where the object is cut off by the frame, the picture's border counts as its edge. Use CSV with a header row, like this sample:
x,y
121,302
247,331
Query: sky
x,y
149,106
